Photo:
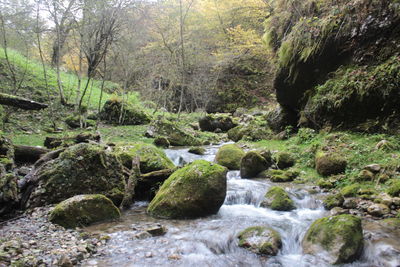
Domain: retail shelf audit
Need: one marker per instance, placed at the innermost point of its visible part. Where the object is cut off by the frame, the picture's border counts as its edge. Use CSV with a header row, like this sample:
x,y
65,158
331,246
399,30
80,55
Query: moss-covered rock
x,y
394,188
115,111
198,150
350,190
148,184
74,121
6,153
364,176
261,240
161,141
175,133
151,158
279,176
253,131
323,183
284,160
80,169
8,191
278,199
252,164
330,164
333,201
196,190
230,156
83,210
378,210
338,238
212,122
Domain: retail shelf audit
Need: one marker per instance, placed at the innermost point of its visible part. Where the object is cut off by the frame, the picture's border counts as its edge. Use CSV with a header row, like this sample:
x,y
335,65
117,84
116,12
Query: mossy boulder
x,y
230,156
284,160
252,164
83,210
196,190
253,131
198,150
151,158
8,191
365,176
74,121
161,141
6,153
279,176
394,188
333,201
80,169
262,240
330,164
339,239
211,122
378,210
350,190
278,199
175,133
115,111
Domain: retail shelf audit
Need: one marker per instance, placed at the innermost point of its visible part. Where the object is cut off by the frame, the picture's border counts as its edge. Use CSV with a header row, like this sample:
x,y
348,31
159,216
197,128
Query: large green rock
x,y
80,169
252,164
116,112
230,156
261,240
211,122
253,131
83,210
278,199
330,164
175,133
151,158
284,160
197,190
333,201
338,238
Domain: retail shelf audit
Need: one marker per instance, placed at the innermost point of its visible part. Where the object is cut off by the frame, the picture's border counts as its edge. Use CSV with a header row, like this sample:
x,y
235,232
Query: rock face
x,y
151,158
80,169
230,156
131,115
278,199
261,240
197,190
339,239
330,164
252,164
82,210
211,123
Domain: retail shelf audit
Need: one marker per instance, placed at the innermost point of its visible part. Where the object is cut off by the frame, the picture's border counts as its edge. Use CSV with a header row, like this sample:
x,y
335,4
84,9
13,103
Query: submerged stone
x,y
83,210
261,240
196,190
278,199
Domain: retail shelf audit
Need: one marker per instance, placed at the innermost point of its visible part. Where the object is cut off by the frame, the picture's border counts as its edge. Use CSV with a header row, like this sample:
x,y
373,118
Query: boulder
x,y
378,210
175,133
211,123
279,176
365,176
85,137
252,164
394,188
6,153
196,190
253,131
338,239
333,201
278,199
80,169
330,164
350,190
284,160
83,210
261,240
115,111
8,191
230,156
198,150
151,158
161,141
148,183
74,121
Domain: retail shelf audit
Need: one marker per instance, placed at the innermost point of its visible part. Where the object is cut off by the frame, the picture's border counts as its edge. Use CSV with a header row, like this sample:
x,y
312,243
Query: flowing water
x,y
212,241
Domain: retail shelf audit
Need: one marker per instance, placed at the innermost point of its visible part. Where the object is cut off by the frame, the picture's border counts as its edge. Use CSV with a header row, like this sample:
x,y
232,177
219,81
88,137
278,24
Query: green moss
x,y
151,158
284,160
330,164
350,190
325,184
340,234
117,111
260,239
394,188
332,201
197,150
278,199
176,134
252,164
230,156
83,210
279,176
196,190
161,141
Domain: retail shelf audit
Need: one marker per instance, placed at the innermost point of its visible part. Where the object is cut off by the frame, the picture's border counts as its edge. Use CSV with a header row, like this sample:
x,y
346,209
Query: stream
x,y
211,241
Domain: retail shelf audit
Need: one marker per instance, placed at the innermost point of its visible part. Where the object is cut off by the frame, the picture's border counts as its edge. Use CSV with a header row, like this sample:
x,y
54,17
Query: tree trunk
x,y
19,102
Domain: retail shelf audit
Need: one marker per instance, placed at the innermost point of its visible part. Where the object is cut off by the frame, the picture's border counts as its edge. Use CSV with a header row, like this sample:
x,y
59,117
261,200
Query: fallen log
x,y
20,102
28,154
